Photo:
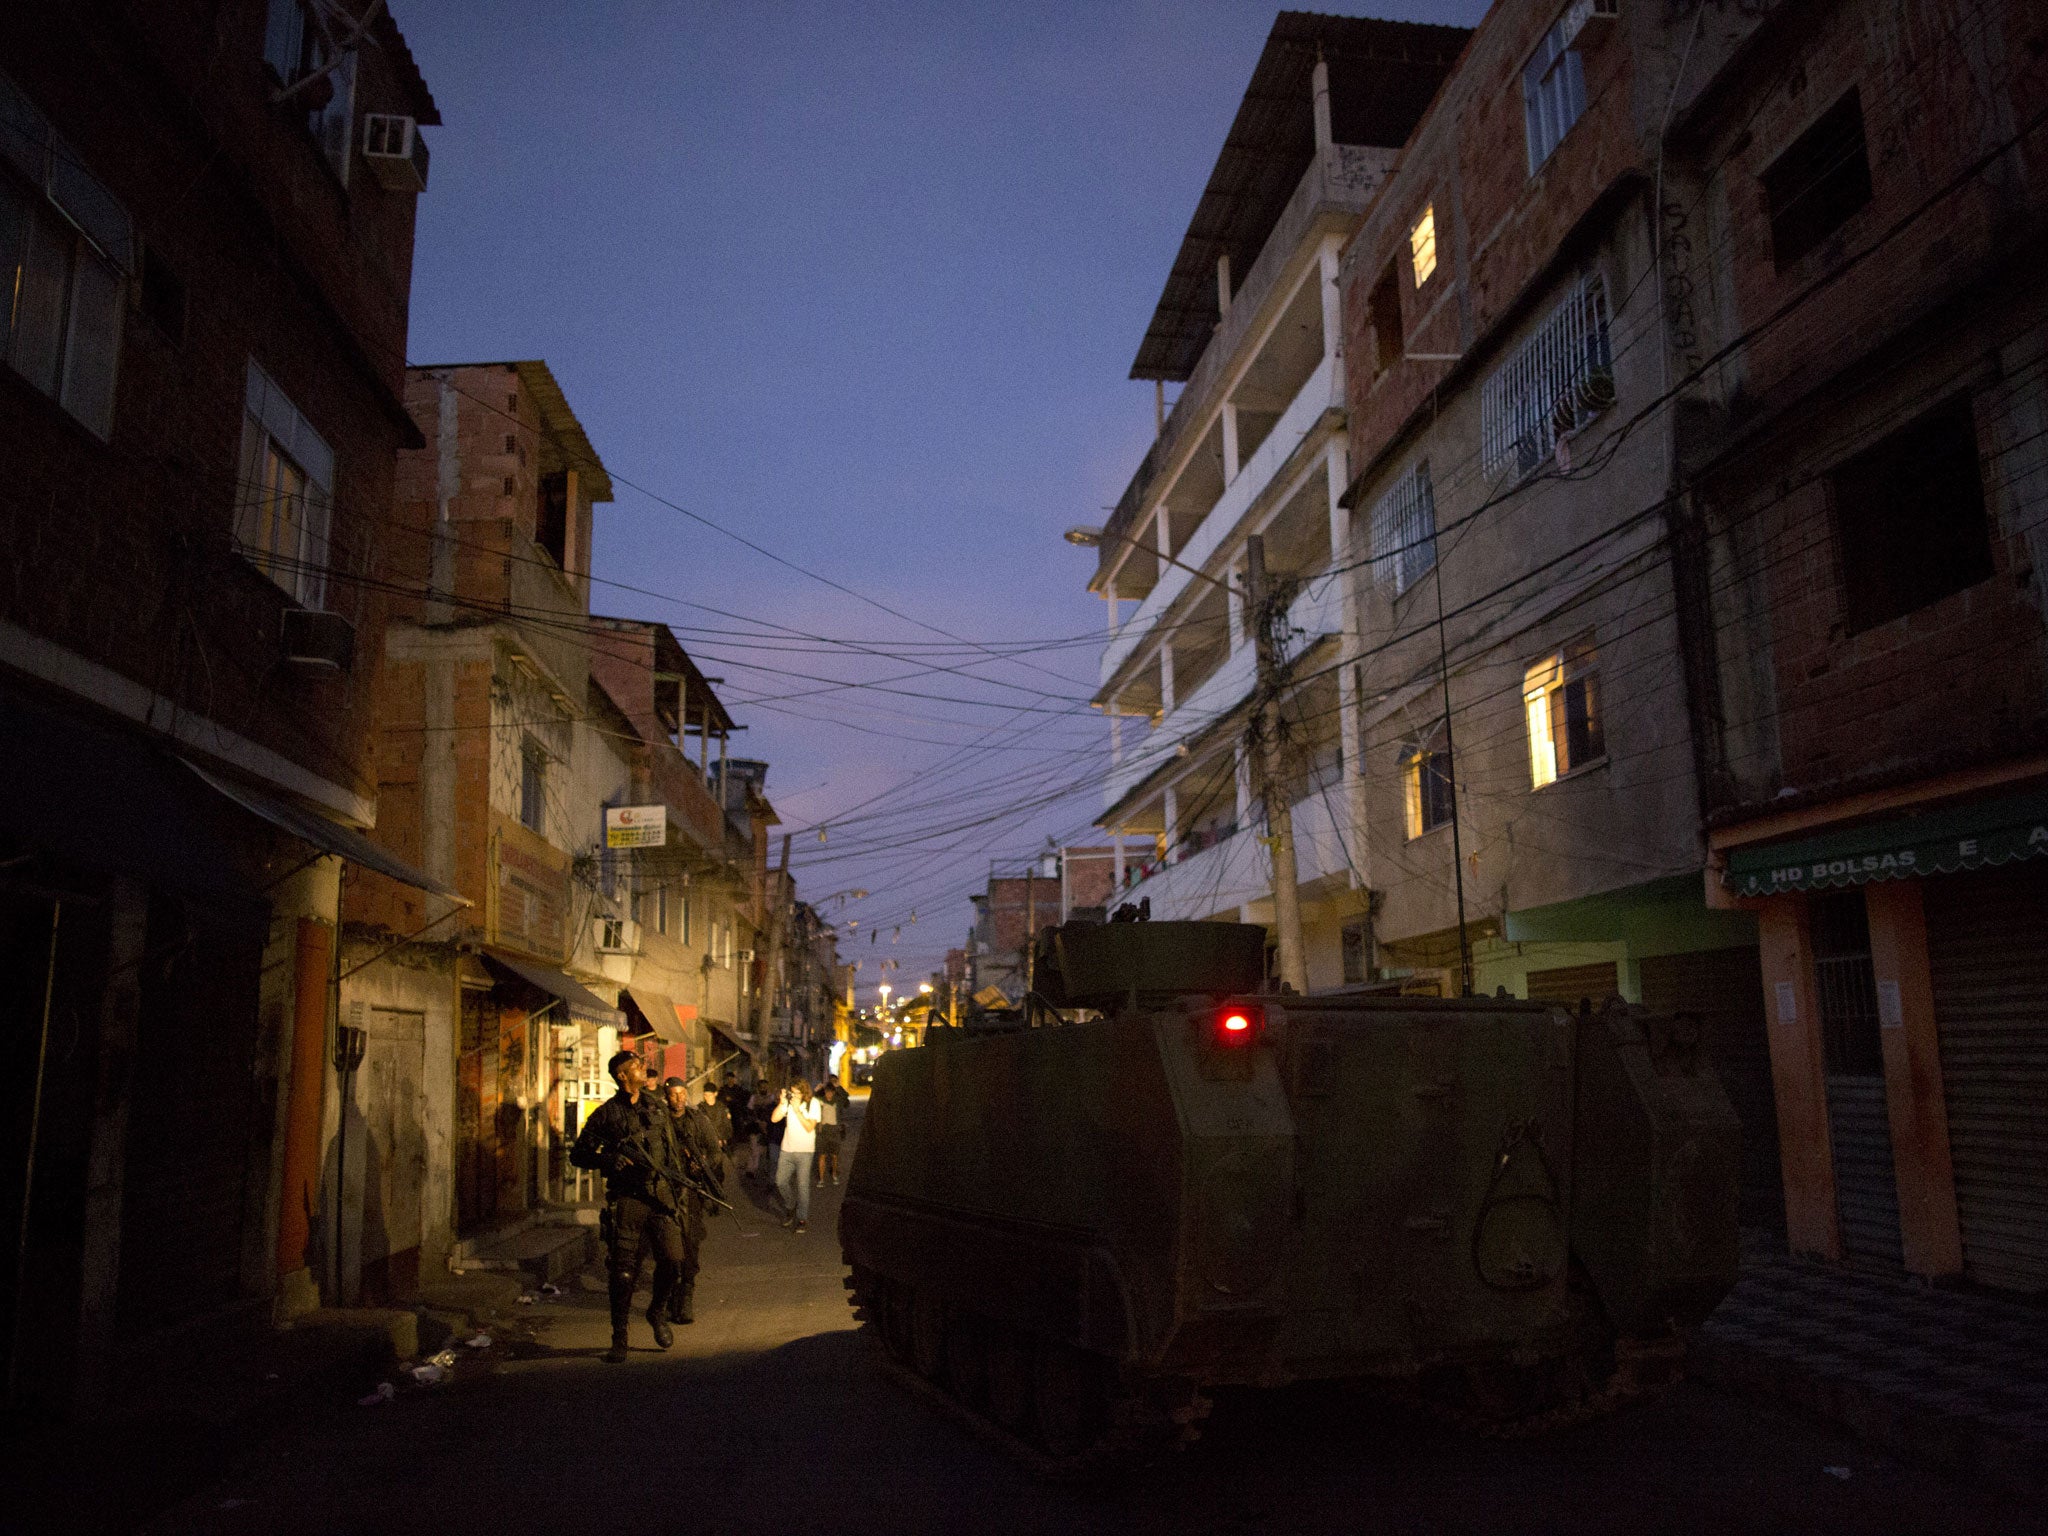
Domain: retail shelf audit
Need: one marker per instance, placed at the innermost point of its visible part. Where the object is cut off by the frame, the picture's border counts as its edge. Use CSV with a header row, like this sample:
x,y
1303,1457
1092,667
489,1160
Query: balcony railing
x,y
1218,879
1319,393
1317,613
1341,180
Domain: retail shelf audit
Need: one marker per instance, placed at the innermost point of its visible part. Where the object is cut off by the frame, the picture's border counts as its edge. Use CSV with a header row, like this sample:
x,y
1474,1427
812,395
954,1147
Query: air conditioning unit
x,y
395,151
1582,13
316,639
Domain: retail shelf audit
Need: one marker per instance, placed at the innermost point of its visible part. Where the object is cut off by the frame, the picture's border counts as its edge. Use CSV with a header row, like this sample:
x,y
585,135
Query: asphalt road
x,y
771,1415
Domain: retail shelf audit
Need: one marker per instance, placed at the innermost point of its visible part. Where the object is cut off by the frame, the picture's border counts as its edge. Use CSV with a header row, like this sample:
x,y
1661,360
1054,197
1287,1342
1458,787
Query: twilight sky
x,y
861,285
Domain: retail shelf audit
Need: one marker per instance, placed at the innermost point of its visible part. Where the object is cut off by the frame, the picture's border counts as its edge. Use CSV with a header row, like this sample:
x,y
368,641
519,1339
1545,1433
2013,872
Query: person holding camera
x,y
798,1112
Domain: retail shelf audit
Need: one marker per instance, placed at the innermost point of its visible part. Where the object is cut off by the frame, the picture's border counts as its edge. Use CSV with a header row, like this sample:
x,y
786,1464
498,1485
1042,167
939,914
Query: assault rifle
x,y
659,1189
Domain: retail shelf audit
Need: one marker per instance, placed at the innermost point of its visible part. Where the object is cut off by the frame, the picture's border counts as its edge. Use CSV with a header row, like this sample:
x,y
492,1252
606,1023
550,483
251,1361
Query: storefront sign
x,y
529,893
1939,843
635,826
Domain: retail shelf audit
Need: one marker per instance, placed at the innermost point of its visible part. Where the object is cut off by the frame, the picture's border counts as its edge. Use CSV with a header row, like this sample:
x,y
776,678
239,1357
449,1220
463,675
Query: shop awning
x,y
659,1010
309,827
1978,835
84,792
728,1043
578,999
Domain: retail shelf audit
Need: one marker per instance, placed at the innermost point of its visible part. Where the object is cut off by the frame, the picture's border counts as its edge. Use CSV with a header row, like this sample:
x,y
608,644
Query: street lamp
x,y
885,989
1091,538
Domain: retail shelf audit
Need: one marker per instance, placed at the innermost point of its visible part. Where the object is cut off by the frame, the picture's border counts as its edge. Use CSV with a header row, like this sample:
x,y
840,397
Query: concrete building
x,y
1860,349
688,893
1249,327
497,757
199,411
1529,806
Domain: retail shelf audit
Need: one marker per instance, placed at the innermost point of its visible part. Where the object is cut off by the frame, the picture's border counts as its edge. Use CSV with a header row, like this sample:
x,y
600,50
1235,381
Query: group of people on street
x,y
665,1161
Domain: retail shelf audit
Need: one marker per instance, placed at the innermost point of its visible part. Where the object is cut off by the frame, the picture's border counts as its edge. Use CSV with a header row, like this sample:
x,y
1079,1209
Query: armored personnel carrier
x,y
1074,1231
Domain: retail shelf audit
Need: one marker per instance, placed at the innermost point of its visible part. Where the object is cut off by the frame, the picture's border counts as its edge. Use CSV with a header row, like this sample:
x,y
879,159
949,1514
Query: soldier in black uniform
x,y
631,1140
699,1143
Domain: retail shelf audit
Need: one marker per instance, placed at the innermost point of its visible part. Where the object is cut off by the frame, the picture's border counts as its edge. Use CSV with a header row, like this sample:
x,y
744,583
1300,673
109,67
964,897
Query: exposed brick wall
x,y
120,551
1496,224
1837,355
1941,83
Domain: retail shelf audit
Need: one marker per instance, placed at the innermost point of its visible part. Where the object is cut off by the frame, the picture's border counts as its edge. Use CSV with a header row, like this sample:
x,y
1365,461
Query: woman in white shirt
x,y
799,1113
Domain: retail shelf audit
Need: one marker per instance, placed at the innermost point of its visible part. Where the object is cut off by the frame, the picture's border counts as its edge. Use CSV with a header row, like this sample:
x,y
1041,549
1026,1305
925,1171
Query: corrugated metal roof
x,y
1383,75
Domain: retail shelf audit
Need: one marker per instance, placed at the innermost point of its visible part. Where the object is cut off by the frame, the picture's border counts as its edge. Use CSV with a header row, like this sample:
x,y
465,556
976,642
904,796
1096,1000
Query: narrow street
x,y
771,1414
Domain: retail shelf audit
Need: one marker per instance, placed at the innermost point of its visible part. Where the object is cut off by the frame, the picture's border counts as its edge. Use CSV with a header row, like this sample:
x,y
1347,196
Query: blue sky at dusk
x,y
863,285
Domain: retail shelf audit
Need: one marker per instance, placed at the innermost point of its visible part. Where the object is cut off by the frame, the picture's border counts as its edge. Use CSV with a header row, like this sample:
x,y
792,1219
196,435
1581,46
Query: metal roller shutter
x,y
1725,988
1987,940
1866,1182
1568,984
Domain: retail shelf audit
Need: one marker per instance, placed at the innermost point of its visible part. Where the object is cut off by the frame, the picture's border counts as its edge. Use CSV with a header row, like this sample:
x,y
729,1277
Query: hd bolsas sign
x,y
1940,844
635,826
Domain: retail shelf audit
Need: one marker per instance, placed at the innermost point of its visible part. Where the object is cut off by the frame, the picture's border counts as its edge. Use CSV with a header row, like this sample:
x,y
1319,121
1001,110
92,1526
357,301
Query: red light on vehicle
x,y
1239,1024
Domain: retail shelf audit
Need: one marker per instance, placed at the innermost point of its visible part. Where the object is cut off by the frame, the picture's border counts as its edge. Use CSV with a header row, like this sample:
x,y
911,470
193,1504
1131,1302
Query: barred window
x,y
1403,532
1556,381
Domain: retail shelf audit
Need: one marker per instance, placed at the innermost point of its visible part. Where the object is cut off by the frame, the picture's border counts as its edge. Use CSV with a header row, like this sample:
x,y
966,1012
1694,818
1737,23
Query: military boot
x,y
682,1303
616,1355
663,1334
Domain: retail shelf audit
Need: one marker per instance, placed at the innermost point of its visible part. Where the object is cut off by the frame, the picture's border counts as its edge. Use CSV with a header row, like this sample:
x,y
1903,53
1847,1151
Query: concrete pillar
x,y
1169,800
1628,980
1115,612
1166,698
1223,284
1798,1076
1350,706
299,1188
1162,529
1116,730
1918,1110
1243,784
1234,604
1332,309
1230,459
1116,841
1321,86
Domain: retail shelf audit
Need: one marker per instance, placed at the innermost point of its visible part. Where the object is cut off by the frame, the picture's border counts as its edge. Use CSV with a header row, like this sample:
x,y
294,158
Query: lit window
x,y
1562,696
1422,245
1403,532
284,503
1426,773
66,248
1553,92
685,934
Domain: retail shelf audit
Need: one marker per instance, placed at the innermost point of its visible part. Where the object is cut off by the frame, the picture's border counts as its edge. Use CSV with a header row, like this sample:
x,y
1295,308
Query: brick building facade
x,y
205,340
1868,489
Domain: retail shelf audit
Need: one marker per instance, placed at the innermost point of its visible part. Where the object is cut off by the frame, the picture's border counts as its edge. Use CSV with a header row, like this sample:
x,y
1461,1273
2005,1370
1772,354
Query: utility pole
x,y
1030,925
1272,785
777,921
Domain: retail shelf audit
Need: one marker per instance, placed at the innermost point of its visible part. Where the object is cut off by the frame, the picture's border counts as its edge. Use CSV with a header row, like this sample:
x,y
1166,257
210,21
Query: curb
x,y
1964,1446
